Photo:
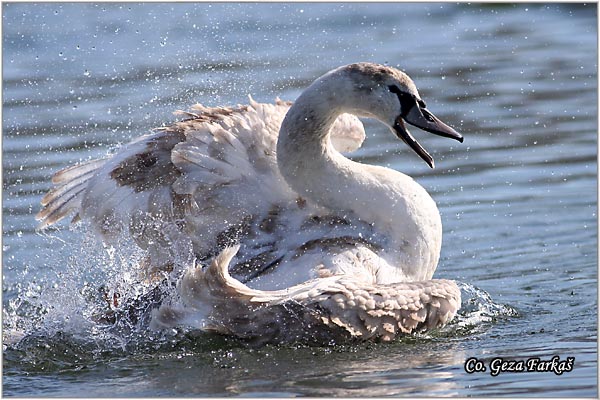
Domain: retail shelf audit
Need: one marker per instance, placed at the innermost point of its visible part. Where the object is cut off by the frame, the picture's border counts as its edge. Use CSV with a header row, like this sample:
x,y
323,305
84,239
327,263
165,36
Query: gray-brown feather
x,y
335,308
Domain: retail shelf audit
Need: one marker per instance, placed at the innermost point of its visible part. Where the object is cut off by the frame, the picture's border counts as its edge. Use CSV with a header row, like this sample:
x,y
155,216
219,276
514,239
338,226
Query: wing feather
x,y
67,195
190,182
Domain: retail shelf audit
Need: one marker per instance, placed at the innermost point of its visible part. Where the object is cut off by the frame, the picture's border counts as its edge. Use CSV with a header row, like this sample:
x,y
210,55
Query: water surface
x,y
518,198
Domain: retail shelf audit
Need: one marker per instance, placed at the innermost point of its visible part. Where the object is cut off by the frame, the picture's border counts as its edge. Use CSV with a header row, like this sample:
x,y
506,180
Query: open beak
x,y
423,119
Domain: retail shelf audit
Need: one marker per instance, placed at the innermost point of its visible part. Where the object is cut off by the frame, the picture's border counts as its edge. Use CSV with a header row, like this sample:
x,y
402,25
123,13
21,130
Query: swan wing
x,y
107,189
198,182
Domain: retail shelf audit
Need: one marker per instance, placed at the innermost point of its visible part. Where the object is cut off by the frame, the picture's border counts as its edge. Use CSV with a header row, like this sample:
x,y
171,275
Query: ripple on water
x,y
75,326
518,198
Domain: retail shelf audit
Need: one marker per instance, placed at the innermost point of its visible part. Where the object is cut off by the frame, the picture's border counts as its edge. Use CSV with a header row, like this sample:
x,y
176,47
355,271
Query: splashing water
x,y
478,311
81,295
97,303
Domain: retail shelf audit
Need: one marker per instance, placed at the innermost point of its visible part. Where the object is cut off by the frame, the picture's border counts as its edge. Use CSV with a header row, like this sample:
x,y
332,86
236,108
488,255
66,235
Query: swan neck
x,y
304,151
389,200
308,123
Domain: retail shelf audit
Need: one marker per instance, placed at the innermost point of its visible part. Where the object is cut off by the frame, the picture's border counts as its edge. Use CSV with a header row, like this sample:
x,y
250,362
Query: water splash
x,y
95,304
81,294
478,311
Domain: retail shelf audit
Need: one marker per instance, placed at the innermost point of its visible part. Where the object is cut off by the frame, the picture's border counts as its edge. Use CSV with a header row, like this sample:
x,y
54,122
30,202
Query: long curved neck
x,y
304,151
393,202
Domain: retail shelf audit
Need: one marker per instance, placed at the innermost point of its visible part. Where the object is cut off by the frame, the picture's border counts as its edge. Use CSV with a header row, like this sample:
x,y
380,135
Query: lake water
x,y
518,198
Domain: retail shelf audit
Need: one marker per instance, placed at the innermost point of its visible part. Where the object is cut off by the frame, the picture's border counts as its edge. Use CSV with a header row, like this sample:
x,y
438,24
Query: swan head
x,y
389,95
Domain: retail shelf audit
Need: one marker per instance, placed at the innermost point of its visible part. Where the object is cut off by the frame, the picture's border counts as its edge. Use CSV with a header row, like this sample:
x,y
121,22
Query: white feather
x,y
349,249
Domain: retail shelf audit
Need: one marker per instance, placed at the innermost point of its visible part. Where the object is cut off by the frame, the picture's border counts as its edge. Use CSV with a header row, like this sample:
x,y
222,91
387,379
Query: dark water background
x,y
518,198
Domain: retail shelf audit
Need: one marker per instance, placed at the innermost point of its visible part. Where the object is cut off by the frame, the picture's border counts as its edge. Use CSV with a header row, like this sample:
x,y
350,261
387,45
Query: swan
x,y
272,234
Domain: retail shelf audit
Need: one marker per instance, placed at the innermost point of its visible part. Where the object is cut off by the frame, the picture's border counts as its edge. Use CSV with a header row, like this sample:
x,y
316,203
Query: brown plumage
x,y
303,243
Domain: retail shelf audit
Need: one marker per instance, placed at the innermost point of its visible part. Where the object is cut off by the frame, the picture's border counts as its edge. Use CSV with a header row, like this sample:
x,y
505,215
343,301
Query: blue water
x,y
518,198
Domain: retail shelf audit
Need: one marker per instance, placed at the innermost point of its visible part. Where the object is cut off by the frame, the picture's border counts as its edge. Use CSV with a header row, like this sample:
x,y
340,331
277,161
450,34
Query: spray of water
x,y
96,303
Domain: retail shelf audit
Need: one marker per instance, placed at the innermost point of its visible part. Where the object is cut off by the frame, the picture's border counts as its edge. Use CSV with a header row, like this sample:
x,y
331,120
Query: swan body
x,y
302,244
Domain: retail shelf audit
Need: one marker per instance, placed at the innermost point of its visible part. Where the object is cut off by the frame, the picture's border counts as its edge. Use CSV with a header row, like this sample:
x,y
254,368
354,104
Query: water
x,y
518,198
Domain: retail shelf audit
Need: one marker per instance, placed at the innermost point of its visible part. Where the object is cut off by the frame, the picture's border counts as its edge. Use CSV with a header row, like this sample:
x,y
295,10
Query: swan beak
x,y
423,119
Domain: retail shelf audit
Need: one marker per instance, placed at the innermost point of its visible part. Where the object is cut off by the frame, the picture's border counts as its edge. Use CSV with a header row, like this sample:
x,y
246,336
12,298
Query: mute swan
x,y
302,244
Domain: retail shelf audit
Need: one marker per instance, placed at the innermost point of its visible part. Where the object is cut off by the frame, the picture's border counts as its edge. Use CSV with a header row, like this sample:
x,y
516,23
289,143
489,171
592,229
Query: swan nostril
x,y
428,116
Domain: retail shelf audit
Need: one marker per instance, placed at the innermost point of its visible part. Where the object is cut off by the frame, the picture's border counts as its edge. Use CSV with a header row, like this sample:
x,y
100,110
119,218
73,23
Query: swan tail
x,y
384,312
324,310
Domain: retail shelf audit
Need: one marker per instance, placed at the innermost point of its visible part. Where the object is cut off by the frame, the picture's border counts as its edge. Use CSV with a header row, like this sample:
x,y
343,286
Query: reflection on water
x,y
518,197
222,368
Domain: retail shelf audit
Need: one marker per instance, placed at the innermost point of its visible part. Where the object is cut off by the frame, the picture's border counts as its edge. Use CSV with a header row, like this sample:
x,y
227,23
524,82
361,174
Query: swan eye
x,y
395,89
407,100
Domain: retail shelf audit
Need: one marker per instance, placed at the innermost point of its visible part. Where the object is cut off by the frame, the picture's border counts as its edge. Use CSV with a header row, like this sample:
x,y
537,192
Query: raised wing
x,y
200,183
